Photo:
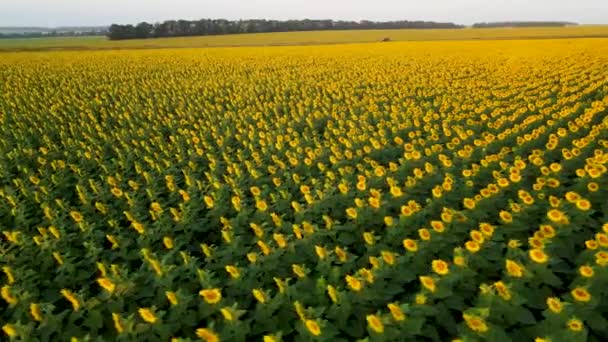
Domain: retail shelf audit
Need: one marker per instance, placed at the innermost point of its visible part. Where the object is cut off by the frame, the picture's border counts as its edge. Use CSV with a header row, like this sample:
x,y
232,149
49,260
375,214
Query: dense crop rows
x,y
403,191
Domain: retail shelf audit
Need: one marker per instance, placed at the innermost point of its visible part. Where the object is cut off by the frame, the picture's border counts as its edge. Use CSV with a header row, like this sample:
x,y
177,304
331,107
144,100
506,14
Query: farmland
x,y
431,190
303,38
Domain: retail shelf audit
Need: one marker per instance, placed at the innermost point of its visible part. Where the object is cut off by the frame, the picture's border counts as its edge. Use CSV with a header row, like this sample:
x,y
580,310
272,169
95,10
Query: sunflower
x,y
353,283
312,327
396,312
440,267
207,335
211,296
472,246
514,269
554,304
538,256
575,325
583,204
375,324
147,315
410,245
428,283
586,271
475,323
259,295
580,294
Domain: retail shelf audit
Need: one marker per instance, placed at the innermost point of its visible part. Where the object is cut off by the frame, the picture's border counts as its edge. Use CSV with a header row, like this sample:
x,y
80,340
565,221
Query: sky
x,y
105,12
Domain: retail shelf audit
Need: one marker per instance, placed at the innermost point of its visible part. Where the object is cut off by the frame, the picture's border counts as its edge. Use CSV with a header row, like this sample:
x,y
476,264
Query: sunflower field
x,y
412,191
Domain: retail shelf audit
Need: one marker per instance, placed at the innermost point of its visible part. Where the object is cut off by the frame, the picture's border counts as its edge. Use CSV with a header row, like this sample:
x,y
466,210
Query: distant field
x,y
302,38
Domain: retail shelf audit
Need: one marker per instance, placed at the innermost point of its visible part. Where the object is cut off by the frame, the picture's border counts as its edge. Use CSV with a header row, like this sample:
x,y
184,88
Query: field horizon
x,y
302,38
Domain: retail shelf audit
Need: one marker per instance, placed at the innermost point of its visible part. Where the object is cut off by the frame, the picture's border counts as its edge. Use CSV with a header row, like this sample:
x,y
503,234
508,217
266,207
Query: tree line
x,y
209,27
524,24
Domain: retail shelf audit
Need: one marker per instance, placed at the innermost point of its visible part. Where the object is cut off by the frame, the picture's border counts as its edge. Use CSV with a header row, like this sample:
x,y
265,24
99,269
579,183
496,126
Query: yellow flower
x,y
575,325
353,283
117,323
168,242
375,324
255,191
469,203
556,216
410,245
514,244
475,323
374,202
602,239
367,274
586,271
233,271
583,204
581,295
227,313
9,330
138,227
438,226
440,267
172,297
269,338
298,270
420,299
388,257
459,260
341,254
279,239
428,283
538,256
396,191
313,327
147,315
36,312
352,213
424,234
472,246
261,205
506,216
207,335
116,192
332,293
396,312
343,188
155,207
502,290
76,216
71,298
369,238
211,296
477,236
554,304
321,252
259,295
514,269
388,221
106,284
7,296
209,201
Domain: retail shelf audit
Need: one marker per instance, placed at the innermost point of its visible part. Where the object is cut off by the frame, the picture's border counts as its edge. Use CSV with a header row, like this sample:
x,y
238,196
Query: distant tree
x,y
144,30
208,27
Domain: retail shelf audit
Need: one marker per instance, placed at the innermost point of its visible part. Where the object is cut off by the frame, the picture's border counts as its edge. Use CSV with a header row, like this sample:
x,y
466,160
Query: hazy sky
x,y
103,12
